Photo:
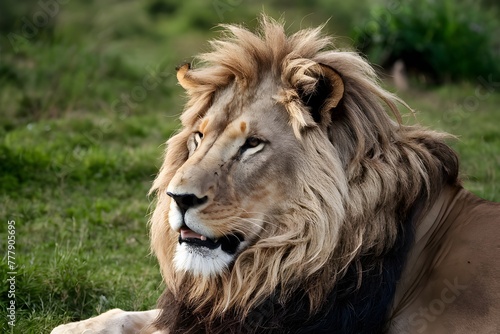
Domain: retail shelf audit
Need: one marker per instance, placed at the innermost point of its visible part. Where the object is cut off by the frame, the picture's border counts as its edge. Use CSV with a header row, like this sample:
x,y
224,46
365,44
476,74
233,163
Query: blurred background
x,y
88,96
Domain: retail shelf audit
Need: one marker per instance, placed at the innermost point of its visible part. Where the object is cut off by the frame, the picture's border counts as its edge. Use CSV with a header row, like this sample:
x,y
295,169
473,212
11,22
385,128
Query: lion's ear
x,y
184,78
325,94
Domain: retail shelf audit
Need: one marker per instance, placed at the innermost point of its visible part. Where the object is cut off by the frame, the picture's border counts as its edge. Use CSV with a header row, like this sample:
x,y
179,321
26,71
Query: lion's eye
x,y
197,138
252,144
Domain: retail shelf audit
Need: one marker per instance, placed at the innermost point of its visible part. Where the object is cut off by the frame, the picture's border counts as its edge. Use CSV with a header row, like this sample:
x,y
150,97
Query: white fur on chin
x,y
200,260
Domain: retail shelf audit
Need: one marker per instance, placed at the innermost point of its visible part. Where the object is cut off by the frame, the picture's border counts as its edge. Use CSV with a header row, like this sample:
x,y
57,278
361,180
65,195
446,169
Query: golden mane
x,y
378,171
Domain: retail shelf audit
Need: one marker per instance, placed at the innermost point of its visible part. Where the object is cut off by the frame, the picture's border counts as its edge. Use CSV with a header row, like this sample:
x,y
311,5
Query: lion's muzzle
x,y
200,250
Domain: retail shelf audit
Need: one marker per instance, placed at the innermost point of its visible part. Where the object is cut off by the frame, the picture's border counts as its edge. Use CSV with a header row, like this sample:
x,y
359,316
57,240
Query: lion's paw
x,y
115,321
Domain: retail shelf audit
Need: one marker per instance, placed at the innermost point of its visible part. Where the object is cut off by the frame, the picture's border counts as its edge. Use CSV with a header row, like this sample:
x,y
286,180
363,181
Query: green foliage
x,y
15,14
446,40
162,7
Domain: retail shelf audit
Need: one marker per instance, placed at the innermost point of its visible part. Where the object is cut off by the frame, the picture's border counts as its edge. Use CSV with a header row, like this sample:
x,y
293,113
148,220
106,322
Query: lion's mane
x,y
308,273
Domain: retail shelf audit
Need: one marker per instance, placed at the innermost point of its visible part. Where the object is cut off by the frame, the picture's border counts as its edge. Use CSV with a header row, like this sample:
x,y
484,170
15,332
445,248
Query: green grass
x,y
76,161
80,206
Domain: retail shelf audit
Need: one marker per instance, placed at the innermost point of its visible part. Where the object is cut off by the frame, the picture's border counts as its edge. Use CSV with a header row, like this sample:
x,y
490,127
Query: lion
x,y
295,200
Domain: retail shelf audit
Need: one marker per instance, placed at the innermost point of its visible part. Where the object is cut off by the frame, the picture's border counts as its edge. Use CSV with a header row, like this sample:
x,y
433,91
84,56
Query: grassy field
x,y
87,104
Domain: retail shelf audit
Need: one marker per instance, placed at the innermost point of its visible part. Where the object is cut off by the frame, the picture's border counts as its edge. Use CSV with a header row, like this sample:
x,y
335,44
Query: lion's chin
x,y
201,261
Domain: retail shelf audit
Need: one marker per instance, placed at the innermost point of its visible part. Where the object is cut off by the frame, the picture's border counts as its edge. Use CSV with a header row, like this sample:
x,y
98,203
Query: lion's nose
x,y
187,201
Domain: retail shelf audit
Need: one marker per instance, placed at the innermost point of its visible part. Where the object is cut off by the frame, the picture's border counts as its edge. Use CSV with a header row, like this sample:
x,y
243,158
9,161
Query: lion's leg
x,y
113,322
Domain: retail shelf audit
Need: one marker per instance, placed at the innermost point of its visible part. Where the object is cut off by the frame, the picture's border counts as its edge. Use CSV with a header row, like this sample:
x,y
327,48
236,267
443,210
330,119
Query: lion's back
x,y
459,286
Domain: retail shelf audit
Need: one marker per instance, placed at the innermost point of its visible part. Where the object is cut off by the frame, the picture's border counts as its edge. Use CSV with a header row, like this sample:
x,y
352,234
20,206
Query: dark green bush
x,y
443,39
159,7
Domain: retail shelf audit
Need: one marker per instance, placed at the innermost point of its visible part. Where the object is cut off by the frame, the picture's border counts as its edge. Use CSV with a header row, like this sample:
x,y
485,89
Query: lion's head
x,y
287,169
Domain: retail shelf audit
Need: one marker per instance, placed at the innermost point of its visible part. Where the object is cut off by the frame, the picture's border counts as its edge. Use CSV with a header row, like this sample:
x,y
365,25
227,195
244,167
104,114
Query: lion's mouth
x,y
228,243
